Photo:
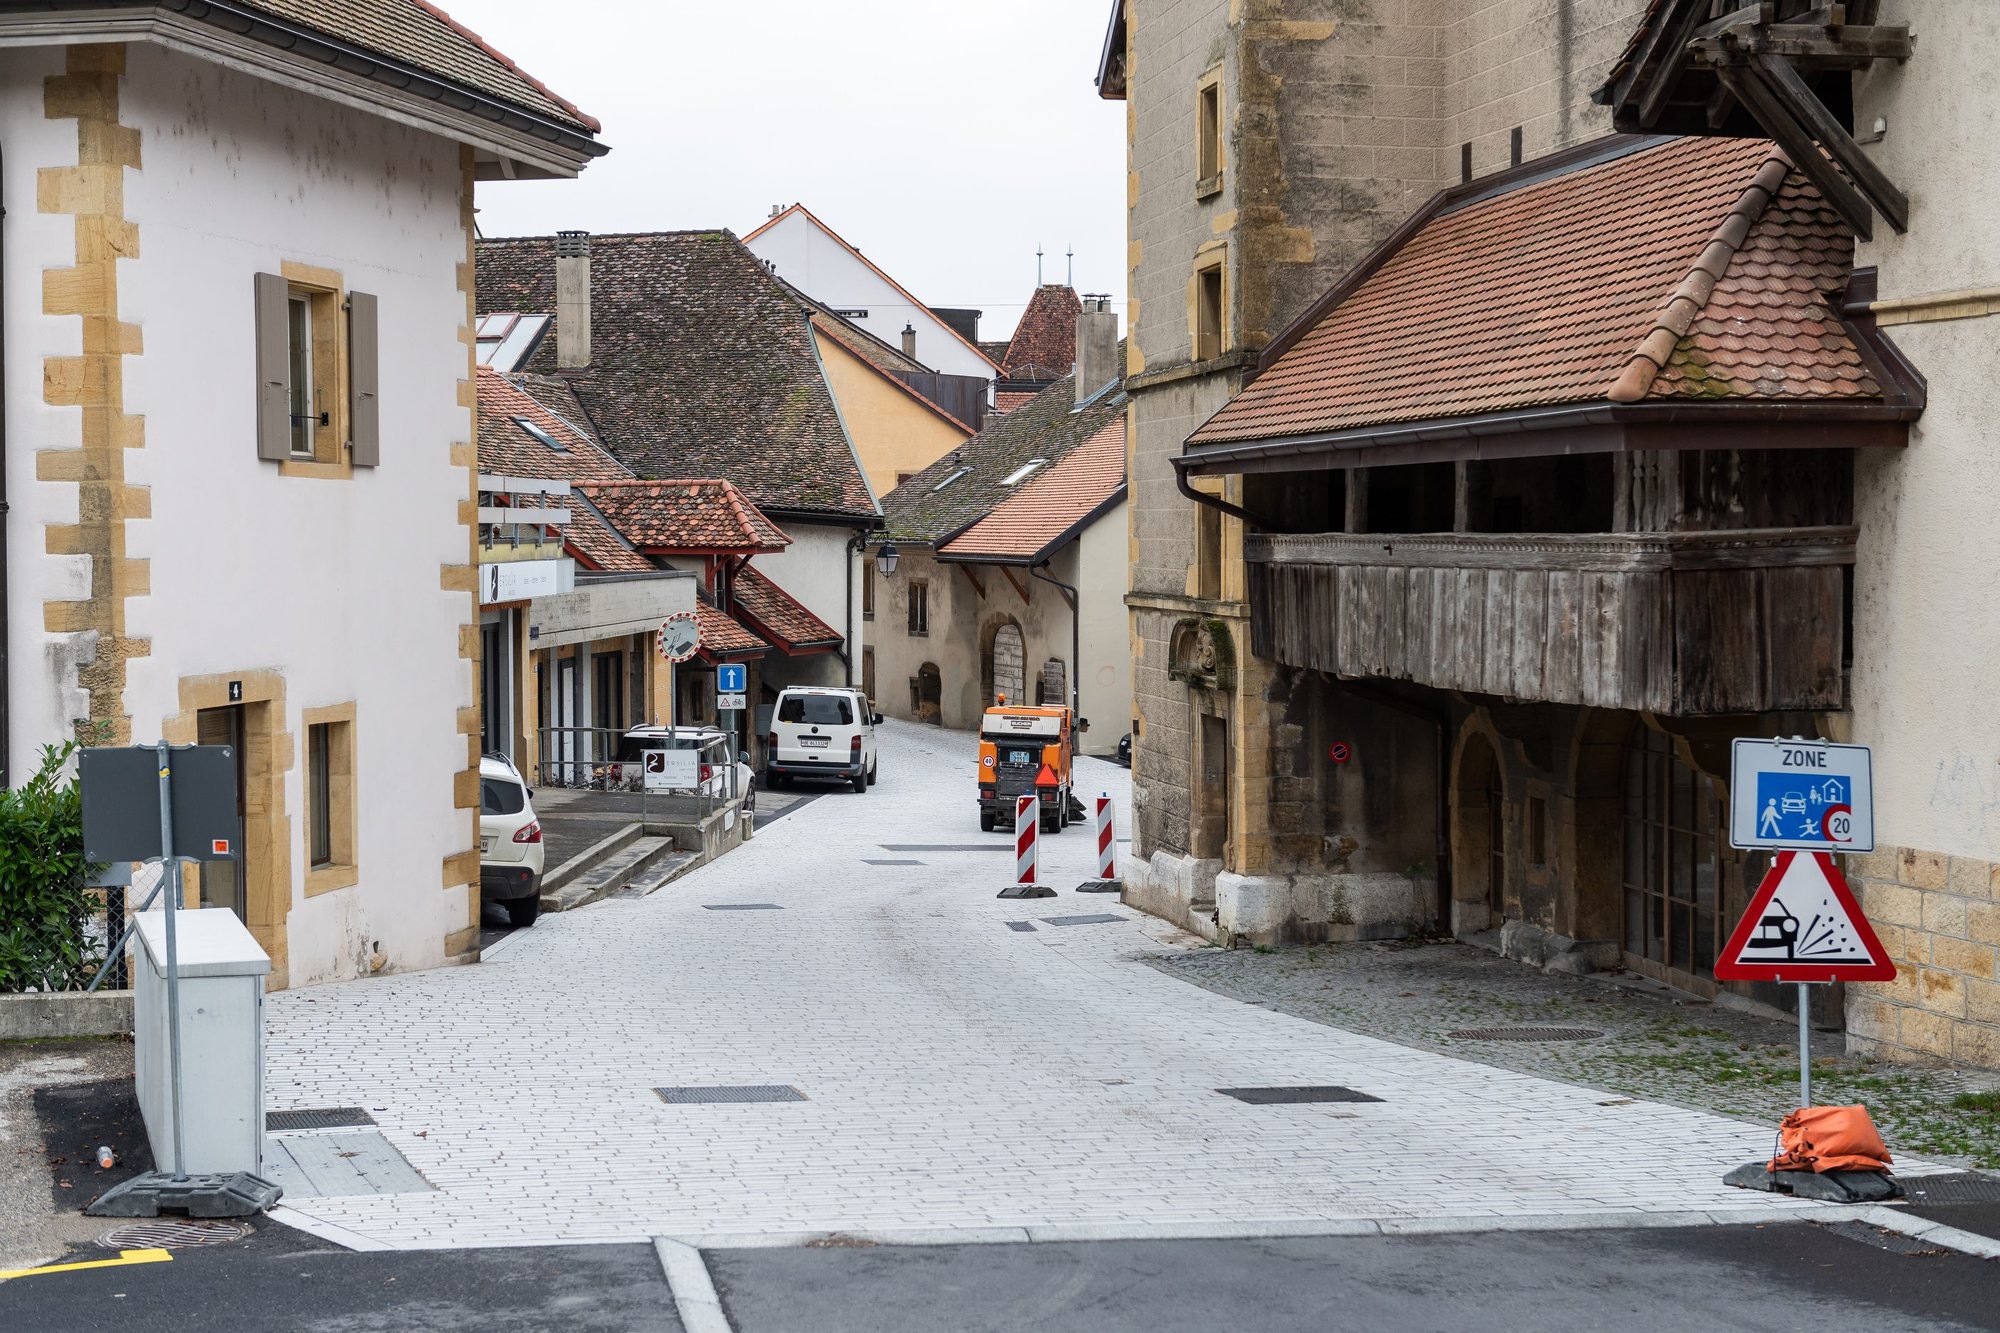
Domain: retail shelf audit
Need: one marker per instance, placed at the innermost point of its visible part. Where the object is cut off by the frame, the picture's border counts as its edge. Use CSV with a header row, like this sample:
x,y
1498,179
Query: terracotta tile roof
x,y
722,636
1554,291
684,516
1006,400
421,35
966,484
860,341
1049,506
1044,342
509,450
777,615
592,540
702,365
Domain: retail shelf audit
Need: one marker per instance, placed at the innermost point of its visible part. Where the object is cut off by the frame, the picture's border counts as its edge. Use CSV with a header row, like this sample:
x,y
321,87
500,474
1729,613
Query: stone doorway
x,y
1478,838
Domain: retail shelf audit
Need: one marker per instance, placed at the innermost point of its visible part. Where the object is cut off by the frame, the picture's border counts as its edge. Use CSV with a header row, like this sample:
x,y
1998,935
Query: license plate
x,y
485,845
813,742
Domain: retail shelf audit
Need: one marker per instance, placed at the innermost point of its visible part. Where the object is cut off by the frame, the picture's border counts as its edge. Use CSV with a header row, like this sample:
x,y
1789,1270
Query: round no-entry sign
x,y
1837,824
1339,753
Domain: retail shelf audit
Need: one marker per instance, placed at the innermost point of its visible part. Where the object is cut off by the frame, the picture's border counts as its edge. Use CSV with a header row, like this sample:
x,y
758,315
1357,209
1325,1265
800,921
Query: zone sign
x,y
1801,795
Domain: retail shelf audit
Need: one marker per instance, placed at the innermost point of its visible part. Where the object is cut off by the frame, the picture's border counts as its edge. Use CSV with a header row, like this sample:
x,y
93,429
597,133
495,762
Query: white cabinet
x,y
222,974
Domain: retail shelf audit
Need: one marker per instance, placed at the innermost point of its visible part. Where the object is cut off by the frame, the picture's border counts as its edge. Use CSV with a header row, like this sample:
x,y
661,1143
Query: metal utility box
x,y
222,974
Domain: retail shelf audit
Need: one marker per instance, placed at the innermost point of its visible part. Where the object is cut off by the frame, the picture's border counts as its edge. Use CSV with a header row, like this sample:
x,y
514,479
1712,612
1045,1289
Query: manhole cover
x,y
1524,1034
324,1117
1023,926
751,1092
1300,1096
1089,919
171,1235
743,907
1966,1187
947,846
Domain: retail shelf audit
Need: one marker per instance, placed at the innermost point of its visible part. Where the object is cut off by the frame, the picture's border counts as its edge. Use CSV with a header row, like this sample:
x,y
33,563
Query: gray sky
x,y
942,139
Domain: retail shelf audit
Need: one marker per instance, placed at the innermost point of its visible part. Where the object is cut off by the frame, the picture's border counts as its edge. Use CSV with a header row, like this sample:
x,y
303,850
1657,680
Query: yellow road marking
x,y
124,1257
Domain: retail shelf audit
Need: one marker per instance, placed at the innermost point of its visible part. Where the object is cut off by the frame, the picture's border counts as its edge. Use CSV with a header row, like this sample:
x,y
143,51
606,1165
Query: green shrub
x,y
44,907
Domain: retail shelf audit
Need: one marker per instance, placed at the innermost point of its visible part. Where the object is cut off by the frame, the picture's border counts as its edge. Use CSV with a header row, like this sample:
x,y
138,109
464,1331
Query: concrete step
x,y
608,875
590,858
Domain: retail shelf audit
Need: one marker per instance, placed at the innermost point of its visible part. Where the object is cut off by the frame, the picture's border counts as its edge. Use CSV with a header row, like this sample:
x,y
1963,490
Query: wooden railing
x,y
1680,623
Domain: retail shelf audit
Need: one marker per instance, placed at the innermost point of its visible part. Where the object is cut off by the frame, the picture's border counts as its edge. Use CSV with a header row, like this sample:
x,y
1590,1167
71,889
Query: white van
x,y
821,731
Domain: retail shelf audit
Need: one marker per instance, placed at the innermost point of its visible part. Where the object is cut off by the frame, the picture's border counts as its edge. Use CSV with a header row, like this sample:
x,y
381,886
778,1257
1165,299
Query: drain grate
x,y
743,907
870,861
171,1235
1893,1241
1960,1187
1316,1092
326,1117
747,1092
1023,926
1090,919
947,846
1524,1034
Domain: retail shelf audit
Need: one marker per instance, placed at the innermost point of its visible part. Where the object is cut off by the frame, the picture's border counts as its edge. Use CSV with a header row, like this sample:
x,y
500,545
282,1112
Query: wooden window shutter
x,y
274,404
364,372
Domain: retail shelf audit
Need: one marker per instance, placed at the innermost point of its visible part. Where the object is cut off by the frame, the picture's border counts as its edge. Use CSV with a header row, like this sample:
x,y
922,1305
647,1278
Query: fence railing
x,y
595,759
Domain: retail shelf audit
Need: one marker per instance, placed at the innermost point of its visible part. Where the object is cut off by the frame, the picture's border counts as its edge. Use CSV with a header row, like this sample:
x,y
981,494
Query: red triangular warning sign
x,y
1047,777
1803,924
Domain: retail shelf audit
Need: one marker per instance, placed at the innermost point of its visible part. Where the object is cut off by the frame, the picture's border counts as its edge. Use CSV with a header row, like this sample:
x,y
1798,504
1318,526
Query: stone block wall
x,y
1939,918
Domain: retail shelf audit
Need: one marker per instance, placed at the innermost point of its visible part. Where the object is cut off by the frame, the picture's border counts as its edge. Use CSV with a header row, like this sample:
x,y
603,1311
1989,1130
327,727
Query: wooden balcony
x,y
1677,623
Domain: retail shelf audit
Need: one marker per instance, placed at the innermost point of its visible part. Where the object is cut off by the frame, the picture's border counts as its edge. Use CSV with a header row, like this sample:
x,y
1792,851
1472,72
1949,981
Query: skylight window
x,y
949,480
1023,472
538,433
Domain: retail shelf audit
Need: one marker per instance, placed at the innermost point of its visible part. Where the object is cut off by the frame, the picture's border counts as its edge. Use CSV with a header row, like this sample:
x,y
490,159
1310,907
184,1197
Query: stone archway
x,y
1479,880
1003,661
928,703
1591,840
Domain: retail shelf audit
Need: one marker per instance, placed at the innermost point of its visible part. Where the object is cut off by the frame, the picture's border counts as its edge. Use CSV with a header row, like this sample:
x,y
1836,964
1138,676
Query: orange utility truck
x,y
1023,750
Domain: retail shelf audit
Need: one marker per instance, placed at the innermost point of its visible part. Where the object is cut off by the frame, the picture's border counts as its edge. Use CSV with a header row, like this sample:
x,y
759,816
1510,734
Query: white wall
x,y
36,241
1103,557
818,570
332,583
809,259
1927,582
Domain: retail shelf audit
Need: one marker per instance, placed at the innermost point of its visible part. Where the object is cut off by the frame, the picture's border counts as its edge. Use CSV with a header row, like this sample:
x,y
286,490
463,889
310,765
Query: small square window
x,y
540,435
329,803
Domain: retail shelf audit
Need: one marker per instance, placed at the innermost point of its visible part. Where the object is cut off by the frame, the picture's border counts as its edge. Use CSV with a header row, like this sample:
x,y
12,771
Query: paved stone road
x,y
963,1080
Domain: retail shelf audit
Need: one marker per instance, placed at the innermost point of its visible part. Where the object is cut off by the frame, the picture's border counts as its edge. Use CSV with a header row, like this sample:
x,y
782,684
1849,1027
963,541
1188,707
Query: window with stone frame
x,y
920,608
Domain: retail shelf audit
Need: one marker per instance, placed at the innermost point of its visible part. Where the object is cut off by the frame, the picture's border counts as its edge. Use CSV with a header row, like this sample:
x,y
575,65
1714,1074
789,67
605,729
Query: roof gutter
x,y
48,21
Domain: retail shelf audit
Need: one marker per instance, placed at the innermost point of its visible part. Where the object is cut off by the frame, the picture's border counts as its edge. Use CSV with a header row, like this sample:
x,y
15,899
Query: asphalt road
x,y
1707,1280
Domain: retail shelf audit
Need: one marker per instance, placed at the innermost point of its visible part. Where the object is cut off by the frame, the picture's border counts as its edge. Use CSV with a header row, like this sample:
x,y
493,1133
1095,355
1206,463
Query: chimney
x,y
910,341
1096,346
776,209
572,300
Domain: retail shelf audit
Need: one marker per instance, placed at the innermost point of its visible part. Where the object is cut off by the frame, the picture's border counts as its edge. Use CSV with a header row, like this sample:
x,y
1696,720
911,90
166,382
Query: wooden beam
x,y
1019,586
1720,103
1808,40
1778,122
1791,90
1661,87
973,579
1750,15
1664,23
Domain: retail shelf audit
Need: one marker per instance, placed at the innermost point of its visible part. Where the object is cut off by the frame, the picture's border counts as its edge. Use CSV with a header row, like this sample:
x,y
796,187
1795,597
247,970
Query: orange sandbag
x,y
1830,1138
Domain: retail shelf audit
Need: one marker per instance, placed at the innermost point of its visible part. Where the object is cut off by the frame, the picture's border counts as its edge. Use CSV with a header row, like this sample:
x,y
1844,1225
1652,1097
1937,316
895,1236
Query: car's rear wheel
x,y
873,770
986,821
860,781
521,912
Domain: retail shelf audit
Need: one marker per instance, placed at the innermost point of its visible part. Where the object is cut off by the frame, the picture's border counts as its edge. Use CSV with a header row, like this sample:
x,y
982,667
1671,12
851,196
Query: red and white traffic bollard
x,y
1107,848
1027,838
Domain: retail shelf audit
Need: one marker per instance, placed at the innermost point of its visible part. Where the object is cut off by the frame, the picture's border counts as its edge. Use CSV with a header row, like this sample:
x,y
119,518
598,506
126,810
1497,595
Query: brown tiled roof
x,y
841,332
1044,342
777,615
702,364
1049,506
508,450
927,508
1006,400
1552,293
423,36
592,539
721,636
996,352
685,516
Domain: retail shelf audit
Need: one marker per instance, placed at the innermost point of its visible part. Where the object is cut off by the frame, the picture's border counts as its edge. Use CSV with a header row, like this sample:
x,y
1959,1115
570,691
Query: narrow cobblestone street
x,y
960,1078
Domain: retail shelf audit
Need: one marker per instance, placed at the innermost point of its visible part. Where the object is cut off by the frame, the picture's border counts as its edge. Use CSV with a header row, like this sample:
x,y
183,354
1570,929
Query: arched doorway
x,y
927,694
1479,834
1006,664
1672,864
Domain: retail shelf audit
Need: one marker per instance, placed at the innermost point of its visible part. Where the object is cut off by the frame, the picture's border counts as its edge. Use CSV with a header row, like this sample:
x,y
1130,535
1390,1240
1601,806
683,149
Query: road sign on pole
x,y
680,636
1800,795
731,678
730,702
1803,925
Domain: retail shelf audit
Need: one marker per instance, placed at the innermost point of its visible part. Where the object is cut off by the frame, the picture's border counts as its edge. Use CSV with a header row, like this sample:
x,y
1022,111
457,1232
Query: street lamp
x,y
886,558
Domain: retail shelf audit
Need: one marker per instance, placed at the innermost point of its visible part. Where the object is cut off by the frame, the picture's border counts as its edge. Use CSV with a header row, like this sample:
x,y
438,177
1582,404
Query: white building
x,y
239,447
812,257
